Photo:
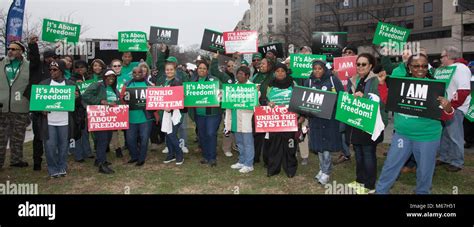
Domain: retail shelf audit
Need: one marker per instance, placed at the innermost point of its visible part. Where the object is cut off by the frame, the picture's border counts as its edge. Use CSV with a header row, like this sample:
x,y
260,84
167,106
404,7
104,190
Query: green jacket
x,y
263,79
15,98
97,92
160,66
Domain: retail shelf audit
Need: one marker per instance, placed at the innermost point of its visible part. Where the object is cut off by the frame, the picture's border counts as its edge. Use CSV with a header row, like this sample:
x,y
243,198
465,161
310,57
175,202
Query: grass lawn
x,y
193,178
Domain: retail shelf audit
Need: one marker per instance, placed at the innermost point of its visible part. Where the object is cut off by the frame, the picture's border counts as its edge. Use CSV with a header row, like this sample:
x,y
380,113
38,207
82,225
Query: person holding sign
x,y
14,95
240,123
367,85
415,135
140,121
323,133
458,89
172,118
97,68
280,149
103,93
58,127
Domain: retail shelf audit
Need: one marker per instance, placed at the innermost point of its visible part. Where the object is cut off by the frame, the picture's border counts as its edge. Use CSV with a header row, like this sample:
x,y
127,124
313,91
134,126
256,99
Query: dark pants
x,y
366,165
137,136
103,140
157,136
12,128
38,149
282,153
172,142
259,141
208,126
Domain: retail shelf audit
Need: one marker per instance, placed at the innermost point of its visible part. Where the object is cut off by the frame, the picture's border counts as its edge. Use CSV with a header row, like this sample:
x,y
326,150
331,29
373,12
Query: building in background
x,y
272,19
244,24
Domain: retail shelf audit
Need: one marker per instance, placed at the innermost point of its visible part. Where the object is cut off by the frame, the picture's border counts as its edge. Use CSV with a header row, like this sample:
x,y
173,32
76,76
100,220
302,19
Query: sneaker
x,y
355,184
228,154
169,160
185,150
342,159
324,179
237,166
362,191
180,162
453,169
165,151
63,174
304,161
54,176
246,169
318,175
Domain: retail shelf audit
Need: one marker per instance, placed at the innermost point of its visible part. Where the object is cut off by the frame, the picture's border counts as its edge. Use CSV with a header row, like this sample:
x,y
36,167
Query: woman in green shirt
x,y
414,135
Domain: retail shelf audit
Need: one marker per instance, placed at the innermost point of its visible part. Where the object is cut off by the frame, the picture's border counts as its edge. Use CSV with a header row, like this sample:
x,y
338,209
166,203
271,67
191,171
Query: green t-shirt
x,y
201,111
137,116
417,128
126,72
280,96
234,120
67,74
12,69
111,95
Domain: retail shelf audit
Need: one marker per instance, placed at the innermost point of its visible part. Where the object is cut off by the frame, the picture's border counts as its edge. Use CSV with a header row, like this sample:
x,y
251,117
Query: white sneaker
x,y
246,169
165,151
228,154
237,166
324,179
178,163
185,150
319,175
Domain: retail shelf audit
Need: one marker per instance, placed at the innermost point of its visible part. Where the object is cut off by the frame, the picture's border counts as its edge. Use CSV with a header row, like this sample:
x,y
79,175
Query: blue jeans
x,y
345,147
452,141
366,165
172,143
57,149
400,151
325,162
182,134
134,132
83,146
207,132
103,140
246,148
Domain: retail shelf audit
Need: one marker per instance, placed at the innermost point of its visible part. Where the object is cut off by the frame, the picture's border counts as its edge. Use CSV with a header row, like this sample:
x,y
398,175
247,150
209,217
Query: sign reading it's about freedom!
x,y
277,119
52,98
244,42
54,31
85,84
417,97
389,35
201,94
360,113
133,41
107,118
161,98
445,74
313,102
302,64
239,96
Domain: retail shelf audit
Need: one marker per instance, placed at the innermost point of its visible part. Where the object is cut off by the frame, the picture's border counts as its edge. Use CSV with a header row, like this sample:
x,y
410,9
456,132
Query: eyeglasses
x,y
53,70
229,66
79,67
254,60
361,64
420,66
116,66
12,49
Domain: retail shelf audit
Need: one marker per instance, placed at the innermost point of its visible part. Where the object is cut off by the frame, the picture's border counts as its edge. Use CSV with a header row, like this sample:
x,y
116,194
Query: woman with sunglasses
x,y
367,85
415,135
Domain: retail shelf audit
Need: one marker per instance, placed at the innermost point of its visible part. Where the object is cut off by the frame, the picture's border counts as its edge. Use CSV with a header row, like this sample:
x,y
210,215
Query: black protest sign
x,y
164,35
278,47
329,43
212,41
135,98
313,102
417,97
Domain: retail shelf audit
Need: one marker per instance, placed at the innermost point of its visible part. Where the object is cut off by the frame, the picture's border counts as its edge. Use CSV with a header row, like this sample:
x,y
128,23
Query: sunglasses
x,y
116,66
12,49
53,70
361,64
420,66
254,60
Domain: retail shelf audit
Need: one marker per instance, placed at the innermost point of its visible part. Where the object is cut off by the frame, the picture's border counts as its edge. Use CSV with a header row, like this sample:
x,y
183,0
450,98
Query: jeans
x,y
246,148
366,165
325,162
400,151
345,148
207,132
56,149
83,146
172,143
103,140
452,141
135,131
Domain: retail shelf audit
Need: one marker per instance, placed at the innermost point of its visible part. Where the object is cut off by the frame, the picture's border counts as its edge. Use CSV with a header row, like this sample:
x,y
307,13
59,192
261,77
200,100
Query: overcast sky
x,y
105,18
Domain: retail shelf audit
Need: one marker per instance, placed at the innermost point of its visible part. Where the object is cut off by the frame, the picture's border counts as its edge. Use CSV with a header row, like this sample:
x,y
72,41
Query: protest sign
x,y
389,34
313,102
107,118
132,41
239,96
278,47
329,43
302,64
164,35
201,94
160,98
277,119
212,41
85,84
52,98
135,98
360,113
346,68
243,42
54,31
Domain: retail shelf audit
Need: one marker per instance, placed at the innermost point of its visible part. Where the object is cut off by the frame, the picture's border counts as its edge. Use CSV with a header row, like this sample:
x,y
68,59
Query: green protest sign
x,y
302,64
445,74
52,98
54,31
470,113
84,85
360,113
239,96
132,42
389,34
201,94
